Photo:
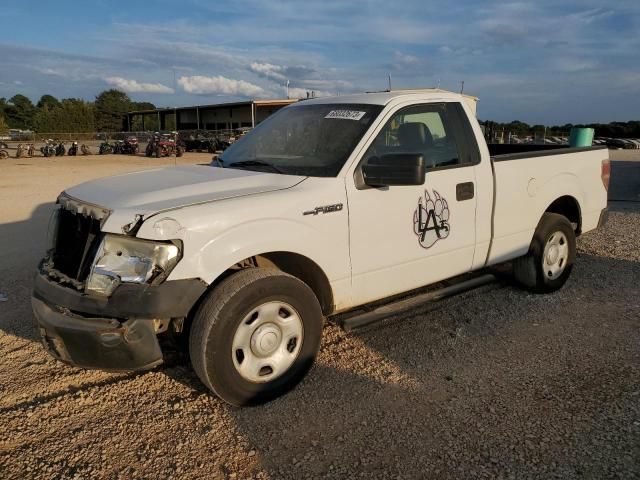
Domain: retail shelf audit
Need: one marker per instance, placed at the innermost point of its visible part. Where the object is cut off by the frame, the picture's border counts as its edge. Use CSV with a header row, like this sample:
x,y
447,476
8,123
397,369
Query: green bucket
x,y
581,137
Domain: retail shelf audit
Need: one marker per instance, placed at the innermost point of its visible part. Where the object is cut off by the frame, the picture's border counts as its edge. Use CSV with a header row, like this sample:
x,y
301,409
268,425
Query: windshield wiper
x,y
255,163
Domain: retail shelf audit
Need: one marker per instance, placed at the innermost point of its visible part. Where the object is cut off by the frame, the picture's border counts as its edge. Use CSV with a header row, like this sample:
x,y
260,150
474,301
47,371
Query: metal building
x,y
222,116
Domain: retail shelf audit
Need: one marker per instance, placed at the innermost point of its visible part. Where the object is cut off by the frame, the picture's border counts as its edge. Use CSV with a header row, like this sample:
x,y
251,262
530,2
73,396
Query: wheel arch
x,y
569,207
295,264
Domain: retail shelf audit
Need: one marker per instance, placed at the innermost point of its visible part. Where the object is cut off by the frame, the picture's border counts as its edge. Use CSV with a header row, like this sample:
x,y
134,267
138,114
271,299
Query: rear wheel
x,y
255,336
548,264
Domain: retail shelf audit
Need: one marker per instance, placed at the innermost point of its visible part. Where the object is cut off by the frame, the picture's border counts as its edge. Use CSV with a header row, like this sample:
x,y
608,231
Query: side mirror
x,y
394,169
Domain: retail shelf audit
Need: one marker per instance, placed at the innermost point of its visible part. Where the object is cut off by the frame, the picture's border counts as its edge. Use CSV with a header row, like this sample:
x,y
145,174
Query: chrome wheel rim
x,y
267,342
555,256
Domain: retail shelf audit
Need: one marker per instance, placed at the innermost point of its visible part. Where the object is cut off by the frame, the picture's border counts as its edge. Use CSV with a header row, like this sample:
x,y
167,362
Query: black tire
x,y
529,271
216,321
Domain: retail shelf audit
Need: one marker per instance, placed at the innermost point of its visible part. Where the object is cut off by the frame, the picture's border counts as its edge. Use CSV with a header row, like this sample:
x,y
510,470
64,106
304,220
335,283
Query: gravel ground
x,y
497,383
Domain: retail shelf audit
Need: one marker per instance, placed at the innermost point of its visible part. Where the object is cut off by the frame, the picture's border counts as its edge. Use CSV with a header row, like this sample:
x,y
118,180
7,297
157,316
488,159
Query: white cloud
x,y
133,86
56,72
199,84
405,59
274,72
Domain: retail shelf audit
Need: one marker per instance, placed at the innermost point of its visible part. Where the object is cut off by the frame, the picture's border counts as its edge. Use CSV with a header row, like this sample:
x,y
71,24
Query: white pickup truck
x,y
327,206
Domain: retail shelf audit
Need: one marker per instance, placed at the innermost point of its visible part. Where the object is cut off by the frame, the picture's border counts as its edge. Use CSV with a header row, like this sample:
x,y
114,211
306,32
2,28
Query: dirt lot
x,y
496,383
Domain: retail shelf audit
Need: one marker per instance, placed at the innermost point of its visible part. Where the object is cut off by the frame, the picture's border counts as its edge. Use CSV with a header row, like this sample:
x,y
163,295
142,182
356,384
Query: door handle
x,y
464,191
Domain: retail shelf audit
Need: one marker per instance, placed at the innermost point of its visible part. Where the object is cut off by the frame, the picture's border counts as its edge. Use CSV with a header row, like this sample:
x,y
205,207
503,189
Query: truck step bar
x,y
359,320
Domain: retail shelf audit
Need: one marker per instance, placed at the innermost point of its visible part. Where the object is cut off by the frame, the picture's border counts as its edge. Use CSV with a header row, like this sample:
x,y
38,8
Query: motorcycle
x,y
117,147
48,149
130,146
4,154
151,146
25,150
60,149
73,149
85,150
105,147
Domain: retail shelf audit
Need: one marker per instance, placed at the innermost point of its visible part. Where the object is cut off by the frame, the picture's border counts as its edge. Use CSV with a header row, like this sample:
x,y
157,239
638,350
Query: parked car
x,y
331,206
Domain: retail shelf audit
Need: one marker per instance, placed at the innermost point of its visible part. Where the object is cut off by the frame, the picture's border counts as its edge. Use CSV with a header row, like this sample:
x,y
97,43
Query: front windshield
x,y
313,140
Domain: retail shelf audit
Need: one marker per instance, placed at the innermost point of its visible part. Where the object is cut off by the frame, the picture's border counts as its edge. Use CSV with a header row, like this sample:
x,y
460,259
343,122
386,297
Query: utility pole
x,y
389,78
461,87
287,85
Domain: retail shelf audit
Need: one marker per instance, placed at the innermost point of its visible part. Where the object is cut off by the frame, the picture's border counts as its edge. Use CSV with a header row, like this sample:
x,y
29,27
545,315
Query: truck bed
x,y
536,178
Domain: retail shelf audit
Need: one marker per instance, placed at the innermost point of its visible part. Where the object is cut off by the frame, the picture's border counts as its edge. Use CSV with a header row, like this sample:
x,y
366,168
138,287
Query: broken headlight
x,y
122,259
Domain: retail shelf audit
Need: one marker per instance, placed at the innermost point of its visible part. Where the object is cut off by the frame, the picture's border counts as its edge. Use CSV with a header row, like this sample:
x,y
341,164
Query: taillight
x,y
605,173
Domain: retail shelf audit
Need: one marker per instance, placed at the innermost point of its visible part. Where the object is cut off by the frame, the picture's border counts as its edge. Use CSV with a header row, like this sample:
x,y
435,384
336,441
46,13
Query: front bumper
x,y
100,343
114,333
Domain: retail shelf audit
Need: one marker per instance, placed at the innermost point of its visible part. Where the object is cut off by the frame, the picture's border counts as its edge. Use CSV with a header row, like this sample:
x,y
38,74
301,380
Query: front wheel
x,y
255,336
548,264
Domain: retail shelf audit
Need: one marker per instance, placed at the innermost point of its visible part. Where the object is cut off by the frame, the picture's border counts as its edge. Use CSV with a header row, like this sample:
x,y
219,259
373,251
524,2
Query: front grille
x,y
75,244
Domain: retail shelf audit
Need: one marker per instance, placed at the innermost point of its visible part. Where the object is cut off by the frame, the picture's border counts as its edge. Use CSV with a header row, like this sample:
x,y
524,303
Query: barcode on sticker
x,y
345,114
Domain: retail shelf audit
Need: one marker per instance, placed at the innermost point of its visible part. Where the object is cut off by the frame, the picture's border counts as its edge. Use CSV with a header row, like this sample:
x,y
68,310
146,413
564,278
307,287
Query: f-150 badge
x,y
325,209
431,219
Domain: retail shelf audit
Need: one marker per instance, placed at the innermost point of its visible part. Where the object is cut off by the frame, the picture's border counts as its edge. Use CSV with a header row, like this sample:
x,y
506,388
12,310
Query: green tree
x,y
3,124
110,107
47,102
70,115
19,112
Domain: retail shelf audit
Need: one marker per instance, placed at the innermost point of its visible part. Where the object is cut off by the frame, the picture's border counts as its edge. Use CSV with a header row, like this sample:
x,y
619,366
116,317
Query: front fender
x,y
211,257
218,235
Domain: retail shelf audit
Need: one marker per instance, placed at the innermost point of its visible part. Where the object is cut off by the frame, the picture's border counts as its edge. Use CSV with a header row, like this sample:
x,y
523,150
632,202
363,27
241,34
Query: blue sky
x,y
540,62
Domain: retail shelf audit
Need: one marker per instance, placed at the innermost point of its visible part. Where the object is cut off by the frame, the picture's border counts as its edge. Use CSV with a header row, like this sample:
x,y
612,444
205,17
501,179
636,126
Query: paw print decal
x,y
431,219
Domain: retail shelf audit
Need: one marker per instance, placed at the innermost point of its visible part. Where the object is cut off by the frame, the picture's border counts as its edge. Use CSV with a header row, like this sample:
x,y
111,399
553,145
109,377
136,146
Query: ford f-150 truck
x,y
327,206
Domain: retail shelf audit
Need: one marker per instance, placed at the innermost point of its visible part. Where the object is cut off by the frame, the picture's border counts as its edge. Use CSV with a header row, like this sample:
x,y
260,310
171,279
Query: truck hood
x,y
148,192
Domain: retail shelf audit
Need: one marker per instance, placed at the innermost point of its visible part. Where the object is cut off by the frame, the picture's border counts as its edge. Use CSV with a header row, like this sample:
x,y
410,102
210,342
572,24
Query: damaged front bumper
x,y
114,333
97,342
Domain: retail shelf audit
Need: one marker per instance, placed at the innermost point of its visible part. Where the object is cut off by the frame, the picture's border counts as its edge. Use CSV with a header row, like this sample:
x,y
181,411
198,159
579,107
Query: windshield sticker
x,y
345,114
431,219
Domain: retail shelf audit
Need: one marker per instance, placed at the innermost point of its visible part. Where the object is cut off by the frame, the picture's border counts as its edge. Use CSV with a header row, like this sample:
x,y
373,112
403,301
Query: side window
x,y
430,129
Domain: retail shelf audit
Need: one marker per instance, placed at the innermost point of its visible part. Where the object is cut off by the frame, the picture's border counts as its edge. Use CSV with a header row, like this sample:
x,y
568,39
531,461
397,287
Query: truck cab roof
x,y
387,96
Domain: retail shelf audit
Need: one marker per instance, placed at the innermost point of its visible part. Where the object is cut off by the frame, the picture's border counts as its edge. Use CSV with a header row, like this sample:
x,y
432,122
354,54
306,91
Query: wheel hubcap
x,y
267,342
556,255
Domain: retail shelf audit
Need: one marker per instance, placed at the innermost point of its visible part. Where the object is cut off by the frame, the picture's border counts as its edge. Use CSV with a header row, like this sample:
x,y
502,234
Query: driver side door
x,y
404,237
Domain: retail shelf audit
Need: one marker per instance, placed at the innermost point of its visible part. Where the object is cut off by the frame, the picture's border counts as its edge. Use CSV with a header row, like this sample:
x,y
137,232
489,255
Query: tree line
x,y
70,115
613,130
106,114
